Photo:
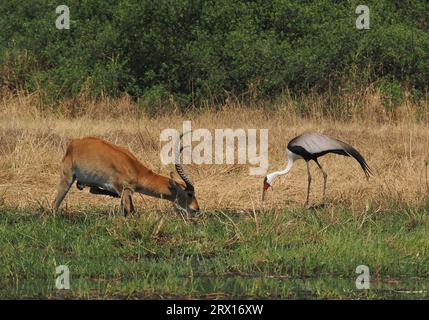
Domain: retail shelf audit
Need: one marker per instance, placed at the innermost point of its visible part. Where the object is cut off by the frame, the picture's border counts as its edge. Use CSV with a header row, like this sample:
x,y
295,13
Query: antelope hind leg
x,y
66,181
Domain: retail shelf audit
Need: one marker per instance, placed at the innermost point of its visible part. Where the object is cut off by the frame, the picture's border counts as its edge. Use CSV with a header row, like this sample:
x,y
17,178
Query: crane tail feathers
x,y
359,158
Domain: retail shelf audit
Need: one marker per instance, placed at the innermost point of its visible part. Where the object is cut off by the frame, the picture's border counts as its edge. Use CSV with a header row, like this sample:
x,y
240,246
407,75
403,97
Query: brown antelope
x,y
112,170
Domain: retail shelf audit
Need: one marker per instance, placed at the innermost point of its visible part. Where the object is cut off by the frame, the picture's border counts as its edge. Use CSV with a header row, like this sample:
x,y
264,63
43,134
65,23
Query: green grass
x,y
282,254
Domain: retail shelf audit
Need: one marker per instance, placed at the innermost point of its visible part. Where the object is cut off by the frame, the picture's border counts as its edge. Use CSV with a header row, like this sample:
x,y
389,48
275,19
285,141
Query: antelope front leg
x,y
127,202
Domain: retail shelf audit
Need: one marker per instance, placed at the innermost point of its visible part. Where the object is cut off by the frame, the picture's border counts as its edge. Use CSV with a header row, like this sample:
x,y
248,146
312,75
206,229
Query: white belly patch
x,y
92,179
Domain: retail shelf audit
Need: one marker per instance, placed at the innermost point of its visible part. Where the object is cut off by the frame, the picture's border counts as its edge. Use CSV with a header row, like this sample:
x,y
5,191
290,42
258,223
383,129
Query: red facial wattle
x,y
266,186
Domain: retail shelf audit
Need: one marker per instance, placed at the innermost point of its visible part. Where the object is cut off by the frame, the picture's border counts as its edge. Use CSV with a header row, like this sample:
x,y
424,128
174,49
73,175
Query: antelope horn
x,y
179,167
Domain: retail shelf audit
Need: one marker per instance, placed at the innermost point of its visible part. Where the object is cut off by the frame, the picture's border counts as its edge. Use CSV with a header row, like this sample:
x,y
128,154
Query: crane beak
x,y
265,188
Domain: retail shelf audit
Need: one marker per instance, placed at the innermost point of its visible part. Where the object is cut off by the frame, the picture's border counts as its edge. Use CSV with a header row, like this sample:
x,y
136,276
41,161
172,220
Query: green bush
x,y
391,93
157,99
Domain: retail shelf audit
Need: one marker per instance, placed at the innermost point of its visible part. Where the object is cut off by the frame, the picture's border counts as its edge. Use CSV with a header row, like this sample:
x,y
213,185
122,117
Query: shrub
x,y
195,50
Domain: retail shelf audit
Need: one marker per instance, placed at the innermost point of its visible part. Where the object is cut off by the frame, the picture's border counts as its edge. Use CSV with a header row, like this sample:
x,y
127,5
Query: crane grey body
x,y
311,146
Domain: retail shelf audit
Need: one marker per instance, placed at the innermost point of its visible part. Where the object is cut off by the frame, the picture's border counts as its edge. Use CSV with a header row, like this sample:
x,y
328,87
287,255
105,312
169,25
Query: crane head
x,y
265,187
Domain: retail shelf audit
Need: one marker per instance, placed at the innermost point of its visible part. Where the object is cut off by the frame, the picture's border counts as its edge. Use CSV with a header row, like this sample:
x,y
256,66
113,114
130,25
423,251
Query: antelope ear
x,y
173,183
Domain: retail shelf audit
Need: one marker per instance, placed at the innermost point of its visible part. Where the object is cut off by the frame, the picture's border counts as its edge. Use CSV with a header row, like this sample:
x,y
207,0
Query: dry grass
x,y
32,143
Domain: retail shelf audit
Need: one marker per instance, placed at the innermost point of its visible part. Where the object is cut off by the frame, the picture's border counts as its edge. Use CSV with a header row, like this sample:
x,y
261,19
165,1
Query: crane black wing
x,y
313,145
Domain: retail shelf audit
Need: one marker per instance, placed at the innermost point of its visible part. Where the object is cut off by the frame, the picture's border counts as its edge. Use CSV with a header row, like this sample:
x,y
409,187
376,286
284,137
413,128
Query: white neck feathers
x,y
291,157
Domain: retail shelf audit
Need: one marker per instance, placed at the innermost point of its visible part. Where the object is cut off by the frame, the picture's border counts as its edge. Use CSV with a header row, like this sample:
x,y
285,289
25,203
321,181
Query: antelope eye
x,y
190,195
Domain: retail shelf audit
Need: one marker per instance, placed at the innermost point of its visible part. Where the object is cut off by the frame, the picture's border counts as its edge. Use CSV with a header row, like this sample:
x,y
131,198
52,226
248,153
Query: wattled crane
x,y
311,146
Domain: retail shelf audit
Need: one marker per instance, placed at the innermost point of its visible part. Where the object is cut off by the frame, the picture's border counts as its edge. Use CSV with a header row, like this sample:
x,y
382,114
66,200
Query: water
x,y
221,287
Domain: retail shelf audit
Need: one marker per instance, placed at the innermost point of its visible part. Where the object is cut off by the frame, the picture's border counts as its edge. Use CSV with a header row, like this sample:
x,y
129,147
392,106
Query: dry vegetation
x,y
33,141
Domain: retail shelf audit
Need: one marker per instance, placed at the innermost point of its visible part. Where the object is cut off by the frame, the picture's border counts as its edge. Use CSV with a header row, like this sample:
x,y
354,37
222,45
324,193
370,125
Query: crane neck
x,y
273,176
288,167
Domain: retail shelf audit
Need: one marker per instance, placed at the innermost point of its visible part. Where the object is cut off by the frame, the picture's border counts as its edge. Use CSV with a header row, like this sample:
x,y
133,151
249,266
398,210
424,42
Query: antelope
x,y
111,170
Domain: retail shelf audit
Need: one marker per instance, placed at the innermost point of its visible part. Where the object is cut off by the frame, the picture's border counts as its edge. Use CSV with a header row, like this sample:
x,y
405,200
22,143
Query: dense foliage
x,y
195,50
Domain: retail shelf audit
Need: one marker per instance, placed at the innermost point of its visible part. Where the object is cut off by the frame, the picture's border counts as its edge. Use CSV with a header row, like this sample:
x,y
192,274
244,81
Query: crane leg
x,y
309,182
325,177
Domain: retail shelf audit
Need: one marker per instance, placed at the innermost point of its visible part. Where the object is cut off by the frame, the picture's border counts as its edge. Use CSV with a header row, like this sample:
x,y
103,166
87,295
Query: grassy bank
x,y
238,247
33,142
275,254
